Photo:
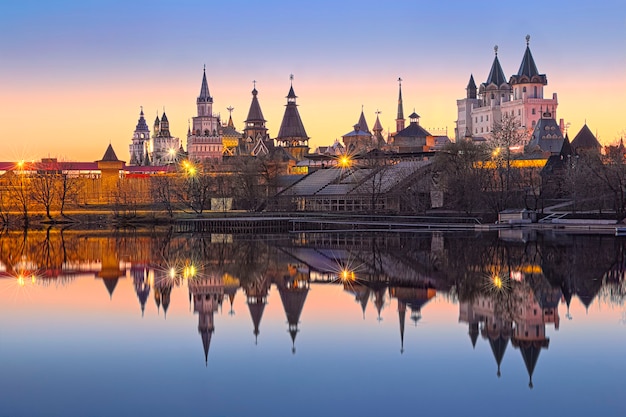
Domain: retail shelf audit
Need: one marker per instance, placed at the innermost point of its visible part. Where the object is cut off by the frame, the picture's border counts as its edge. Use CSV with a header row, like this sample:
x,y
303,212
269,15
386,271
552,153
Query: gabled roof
x,y
585,139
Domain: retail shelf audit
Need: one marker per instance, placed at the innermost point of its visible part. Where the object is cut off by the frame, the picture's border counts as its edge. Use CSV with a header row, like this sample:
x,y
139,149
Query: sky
x,y
73,74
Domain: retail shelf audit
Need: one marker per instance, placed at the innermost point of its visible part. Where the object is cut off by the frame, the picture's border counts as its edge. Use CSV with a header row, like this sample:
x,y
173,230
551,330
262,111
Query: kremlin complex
x,y
251,169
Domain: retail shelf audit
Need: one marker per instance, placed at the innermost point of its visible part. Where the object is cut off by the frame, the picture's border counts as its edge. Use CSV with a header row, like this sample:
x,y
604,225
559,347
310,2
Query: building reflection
x,y
207,291
508,290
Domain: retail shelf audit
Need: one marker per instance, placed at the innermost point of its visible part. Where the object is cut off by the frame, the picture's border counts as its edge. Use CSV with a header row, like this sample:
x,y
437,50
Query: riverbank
x,y
241,222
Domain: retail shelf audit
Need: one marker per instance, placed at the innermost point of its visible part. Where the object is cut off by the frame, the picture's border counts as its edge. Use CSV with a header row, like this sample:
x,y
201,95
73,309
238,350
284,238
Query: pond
x,y
156,323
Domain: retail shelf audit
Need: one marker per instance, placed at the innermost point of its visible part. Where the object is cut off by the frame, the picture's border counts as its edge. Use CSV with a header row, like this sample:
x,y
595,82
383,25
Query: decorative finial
x,y
141,107
204,69
230,110
361,108
400,81
527,39
254,84
377,112
291,78
495,49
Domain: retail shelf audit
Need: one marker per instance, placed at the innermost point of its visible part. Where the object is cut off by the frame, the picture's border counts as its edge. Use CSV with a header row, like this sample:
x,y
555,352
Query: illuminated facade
x,y
521,97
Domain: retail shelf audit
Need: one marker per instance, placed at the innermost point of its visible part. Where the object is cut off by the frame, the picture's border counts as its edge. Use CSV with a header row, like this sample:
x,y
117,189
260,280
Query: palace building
x,y
521,96
160,149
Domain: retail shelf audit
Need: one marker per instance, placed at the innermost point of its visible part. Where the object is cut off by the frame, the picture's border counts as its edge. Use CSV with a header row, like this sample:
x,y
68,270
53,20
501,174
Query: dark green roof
x,y
496,74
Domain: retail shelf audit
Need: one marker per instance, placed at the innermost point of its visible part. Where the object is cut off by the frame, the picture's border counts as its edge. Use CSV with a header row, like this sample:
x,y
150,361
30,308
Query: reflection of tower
x,y
495,328
231,285
401,319
142,284
256,296
413,297
208,293
361,293
110,272
293,289
530,327
498,332
379,298
162,290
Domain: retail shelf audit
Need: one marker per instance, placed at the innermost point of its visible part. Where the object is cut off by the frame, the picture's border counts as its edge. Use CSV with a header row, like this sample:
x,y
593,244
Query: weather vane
x,y
527,39
495,49
230,110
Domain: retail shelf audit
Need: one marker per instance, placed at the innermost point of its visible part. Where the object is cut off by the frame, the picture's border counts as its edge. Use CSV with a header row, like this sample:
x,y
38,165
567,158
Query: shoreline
x,y
285,222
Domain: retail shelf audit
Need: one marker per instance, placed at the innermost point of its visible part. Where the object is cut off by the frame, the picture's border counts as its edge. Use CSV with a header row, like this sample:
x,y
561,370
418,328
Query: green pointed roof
x,y
496,74
528,67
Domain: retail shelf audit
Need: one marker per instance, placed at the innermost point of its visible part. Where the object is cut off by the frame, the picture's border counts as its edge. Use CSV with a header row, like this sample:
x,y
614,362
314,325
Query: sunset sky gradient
x,y
73,74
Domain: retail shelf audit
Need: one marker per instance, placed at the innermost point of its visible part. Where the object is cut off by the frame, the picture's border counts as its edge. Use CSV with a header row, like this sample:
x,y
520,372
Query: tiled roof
x,y
255,114
496,75
291,126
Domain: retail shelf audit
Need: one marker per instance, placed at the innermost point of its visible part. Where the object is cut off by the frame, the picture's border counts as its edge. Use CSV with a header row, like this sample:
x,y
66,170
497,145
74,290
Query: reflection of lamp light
x,y
347,275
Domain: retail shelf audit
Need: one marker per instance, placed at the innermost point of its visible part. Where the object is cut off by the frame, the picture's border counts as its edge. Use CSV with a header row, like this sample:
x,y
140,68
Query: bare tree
x,y
44,186
68,189
20,192
460,175
507,134
163,190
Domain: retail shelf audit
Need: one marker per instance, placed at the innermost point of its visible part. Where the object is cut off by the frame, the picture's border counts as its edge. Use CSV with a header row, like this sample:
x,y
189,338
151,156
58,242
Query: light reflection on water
x,y
142,323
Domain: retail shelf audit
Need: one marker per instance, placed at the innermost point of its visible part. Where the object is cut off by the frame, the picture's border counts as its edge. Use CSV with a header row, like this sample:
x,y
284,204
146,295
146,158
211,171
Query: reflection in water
x,y
507,290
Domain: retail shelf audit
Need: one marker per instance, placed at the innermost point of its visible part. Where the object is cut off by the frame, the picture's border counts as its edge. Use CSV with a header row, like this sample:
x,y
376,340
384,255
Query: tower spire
x,y
400,117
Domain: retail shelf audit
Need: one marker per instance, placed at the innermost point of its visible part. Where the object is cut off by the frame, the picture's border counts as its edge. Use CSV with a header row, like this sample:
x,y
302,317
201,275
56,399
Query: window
x,y
532,111
487,118
534,122
481,130
524,90
493,96
481,118
519,112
